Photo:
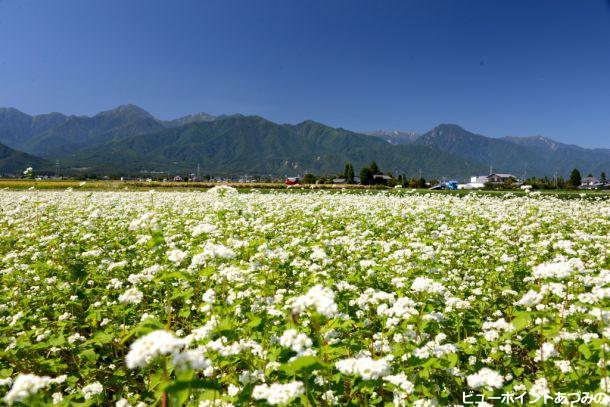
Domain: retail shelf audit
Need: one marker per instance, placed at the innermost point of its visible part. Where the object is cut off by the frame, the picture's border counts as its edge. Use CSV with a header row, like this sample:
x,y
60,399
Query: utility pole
x,y
56,168
198,172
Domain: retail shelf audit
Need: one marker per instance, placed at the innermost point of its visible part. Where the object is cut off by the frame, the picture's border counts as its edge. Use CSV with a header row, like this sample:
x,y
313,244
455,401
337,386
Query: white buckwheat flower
x,y
92,389
485,378
131,296
176,256
365,367
26,385
322,299
298,342
150,346
278,393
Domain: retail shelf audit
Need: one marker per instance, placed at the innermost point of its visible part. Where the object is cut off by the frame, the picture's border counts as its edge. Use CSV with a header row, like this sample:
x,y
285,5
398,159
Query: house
x,y
339,181
178,178
502,178
292,181
382,177
479,181
495,178
591,183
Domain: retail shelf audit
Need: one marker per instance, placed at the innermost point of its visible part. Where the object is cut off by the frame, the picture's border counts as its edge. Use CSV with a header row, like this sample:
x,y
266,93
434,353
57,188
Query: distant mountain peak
x,y
451,127
188,119
128,109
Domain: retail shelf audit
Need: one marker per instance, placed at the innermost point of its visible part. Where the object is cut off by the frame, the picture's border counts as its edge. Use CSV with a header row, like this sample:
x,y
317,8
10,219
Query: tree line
x,y
369,175
573,182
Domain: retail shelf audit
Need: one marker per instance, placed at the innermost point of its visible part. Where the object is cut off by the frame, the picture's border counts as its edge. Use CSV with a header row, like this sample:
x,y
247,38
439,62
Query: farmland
x,y
217,298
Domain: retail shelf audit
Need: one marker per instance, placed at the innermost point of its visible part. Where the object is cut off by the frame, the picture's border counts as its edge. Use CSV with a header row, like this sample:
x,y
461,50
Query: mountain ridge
x,y
254,145
129,139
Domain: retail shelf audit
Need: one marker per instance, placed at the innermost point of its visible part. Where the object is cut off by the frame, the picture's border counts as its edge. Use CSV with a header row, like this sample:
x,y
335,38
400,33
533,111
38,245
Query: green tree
x,y
366,176
350,174
309,179
575,178
602,177
375,168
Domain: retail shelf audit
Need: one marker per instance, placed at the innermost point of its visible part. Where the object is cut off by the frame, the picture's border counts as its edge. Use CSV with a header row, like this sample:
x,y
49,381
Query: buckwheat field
x,y
222,298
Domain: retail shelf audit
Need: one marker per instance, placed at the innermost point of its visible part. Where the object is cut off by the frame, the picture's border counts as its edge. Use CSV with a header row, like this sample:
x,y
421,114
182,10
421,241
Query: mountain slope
x,y
562,157
394,137
502,155
129,139
250,144
13,162
55,135
83,132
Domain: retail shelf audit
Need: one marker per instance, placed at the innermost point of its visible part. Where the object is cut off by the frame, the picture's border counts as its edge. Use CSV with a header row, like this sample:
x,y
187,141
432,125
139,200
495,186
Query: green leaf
x,y
147,326
255,321
89,355
192,384
584,349
521,320
304,364
57,340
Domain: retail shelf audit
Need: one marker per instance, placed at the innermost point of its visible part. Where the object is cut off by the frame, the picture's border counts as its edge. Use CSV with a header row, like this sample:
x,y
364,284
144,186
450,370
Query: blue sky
x,y
495,67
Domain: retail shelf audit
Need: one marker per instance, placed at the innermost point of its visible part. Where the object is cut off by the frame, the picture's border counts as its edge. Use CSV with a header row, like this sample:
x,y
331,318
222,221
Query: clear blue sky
x,y
495,67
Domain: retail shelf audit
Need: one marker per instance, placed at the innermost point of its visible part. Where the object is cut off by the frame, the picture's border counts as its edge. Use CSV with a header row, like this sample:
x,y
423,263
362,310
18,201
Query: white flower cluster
x,y
131,296
191,358
556,270
150,346
546,351
402,309
223,190
530,298
212,252
26,385
427,285
540,389
278,393
322,299
298,342
222,347
203,332
403,386
435,348
203,228
365,367
92,389
145,221
176,256
485,378
145,275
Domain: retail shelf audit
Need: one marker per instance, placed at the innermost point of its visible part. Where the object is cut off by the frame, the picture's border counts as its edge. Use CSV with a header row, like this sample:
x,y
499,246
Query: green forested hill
x,y
13,162
128,140
250,144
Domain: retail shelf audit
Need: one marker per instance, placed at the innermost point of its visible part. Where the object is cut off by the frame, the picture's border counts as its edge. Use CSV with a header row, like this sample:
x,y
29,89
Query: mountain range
x,y
128,140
